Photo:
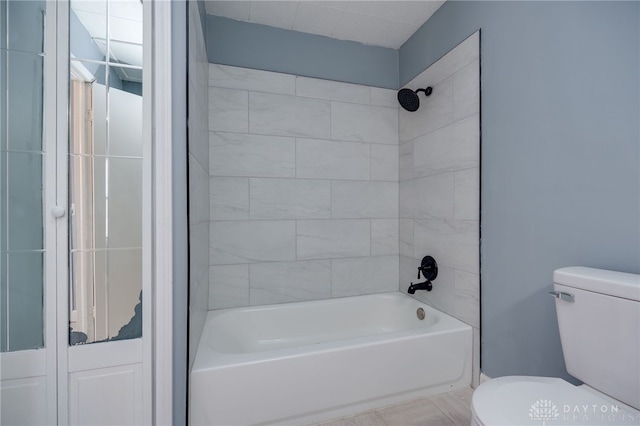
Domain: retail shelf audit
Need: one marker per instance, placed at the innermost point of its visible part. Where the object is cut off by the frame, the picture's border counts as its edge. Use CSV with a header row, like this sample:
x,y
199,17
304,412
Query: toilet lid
x,y
531,401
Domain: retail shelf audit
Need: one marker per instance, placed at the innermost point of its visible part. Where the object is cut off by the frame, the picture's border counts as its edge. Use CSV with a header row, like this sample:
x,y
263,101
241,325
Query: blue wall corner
x,y
560,102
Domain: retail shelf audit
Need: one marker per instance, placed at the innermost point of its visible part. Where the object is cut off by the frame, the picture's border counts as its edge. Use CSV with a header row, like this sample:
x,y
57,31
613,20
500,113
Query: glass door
x,y
102,356
72,235
27,229
105,171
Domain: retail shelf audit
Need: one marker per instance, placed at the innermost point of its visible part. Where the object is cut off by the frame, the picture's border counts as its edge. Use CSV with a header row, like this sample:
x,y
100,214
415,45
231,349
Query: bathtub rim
x,y
207,358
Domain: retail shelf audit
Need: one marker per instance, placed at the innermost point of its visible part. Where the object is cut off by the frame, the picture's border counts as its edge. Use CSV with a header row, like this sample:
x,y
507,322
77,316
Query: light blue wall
x,y
267,48
560,86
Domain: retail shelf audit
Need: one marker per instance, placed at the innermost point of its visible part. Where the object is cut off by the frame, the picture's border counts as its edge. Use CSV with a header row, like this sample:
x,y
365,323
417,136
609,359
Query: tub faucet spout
x,y
420,286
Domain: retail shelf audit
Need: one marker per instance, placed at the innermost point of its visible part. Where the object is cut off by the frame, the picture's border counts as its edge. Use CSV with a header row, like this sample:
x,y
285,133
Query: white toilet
x,y
599,321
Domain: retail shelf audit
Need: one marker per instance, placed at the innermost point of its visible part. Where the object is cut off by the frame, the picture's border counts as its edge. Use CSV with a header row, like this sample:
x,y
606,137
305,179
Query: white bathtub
x,y
304,362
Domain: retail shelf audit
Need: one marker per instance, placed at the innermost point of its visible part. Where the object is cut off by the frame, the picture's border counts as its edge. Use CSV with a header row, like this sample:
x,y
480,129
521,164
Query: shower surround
x,y
321,189
304,188
440,185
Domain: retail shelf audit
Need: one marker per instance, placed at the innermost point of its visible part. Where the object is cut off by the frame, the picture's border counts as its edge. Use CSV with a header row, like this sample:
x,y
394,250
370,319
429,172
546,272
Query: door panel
x,y
23,388
46,184
24,401
27,233
107,396
104,354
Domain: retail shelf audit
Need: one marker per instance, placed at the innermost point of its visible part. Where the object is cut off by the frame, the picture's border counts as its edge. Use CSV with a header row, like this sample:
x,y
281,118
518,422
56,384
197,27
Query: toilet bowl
x,y
599,322
528,401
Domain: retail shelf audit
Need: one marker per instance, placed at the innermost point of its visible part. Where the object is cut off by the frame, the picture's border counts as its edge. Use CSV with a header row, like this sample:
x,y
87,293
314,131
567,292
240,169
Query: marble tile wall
x,y
303,188
198,158
439,163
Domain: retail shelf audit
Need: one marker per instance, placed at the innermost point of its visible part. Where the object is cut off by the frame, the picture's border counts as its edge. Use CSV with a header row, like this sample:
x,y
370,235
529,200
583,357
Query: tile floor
x,y
446,409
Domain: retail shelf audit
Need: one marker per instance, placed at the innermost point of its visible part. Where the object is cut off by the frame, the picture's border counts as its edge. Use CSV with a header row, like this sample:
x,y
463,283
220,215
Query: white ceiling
x,y
378,23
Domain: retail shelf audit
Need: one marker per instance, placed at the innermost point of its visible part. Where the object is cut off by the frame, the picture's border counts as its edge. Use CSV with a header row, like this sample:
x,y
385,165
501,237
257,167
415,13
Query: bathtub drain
x,y
420,313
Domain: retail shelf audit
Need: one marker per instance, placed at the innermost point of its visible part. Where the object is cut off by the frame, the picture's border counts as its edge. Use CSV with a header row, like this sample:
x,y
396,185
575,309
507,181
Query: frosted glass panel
x,y
88,93
4,302
125,119
3,98
125,202
105,171
24,101
25,22
125,273
21,176
87,26
25,316
24,202
125,37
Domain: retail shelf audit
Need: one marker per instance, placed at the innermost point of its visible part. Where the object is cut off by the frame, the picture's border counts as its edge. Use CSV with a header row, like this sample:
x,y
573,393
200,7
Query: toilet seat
x,y
528,401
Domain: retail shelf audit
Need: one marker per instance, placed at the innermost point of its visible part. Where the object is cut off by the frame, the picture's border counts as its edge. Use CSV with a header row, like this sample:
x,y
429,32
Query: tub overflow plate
x,y
420,313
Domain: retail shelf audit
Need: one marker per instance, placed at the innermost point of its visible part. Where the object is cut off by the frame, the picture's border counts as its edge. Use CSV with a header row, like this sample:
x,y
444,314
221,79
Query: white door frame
x,y
41,365
56,361
53,225
162,321
60,368
154,350
53,364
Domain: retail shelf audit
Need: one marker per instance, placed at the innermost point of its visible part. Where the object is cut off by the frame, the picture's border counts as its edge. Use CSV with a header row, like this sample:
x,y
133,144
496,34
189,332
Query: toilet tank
x,y
600,329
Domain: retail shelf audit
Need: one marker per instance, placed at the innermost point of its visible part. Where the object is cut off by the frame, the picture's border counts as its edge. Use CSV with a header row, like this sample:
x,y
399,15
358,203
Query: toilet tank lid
x,y
613,283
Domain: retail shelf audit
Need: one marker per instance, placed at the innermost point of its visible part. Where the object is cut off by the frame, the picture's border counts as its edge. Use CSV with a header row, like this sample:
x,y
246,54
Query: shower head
x,y
409,98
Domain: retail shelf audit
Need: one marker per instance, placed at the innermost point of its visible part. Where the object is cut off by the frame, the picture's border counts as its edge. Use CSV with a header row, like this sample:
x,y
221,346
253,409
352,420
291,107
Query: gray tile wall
x,y
439,159
199,204
323,189
303,188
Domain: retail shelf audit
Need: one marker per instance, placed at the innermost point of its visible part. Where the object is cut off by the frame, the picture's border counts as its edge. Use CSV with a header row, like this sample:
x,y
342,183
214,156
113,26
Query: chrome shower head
x,y
409,98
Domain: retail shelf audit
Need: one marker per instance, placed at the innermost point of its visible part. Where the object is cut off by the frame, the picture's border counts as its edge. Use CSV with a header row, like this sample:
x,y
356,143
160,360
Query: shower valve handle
x,y
429,268
423,270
